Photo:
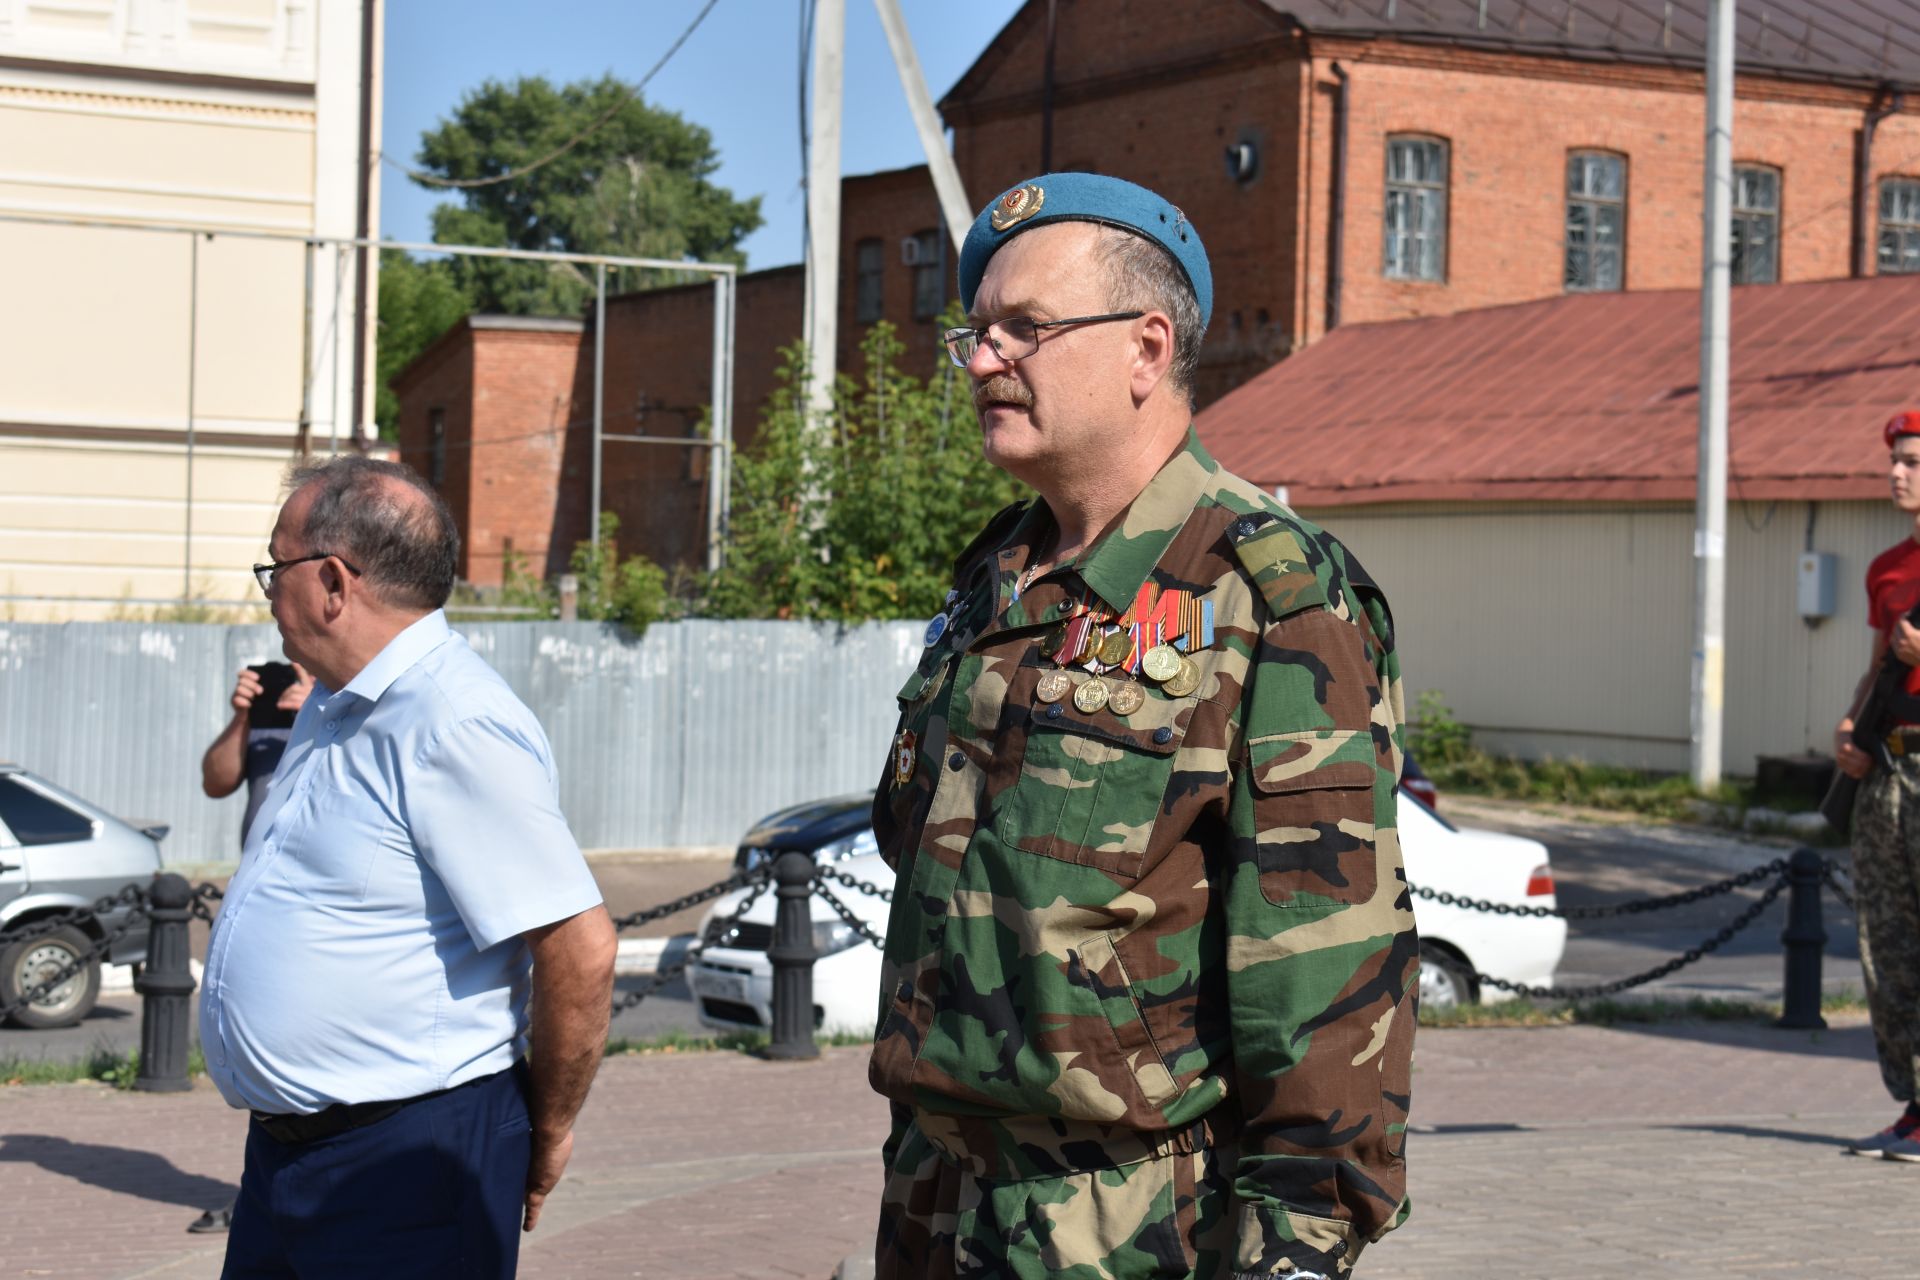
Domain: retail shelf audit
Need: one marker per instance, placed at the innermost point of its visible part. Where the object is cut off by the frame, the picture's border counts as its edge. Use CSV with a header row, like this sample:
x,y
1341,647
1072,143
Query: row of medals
x,y
1175,673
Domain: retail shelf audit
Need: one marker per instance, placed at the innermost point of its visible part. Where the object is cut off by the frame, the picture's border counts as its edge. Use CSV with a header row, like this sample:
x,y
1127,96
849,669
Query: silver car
x,y
58,853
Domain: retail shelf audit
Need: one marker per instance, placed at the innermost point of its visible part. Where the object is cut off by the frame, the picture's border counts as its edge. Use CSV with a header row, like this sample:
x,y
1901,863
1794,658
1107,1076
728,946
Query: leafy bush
x,y
631,590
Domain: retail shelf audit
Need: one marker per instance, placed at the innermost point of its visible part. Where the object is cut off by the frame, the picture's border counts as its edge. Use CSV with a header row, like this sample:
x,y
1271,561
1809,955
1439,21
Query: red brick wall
x,y
660,347
890,207
442,379
1155,93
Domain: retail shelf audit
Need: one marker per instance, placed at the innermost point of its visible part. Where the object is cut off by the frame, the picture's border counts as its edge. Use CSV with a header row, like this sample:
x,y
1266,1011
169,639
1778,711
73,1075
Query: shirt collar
x,y
1117,566
402,652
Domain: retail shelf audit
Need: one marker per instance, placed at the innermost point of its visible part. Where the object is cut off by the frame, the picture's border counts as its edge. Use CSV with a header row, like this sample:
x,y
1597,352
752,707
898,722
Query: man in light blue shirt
x,y
407,886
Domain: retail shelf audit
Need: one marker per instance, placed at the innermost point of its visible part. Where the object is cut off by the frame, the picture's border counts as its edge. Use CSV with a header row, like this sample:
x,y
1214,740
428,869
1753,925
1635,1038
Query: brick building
x,y
1360,160
1347,161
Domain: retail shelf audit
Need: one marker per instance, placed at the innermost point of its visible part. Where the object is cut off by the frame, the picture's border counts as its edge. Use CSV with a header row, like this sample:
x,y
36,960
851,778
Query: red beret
x,y
1902,424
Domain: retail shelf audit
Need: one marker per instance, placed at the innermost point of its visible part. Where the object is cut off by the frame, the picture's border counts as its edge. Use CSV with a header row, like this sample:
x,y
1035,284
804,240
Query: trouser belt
x,y
294,1129
1904,740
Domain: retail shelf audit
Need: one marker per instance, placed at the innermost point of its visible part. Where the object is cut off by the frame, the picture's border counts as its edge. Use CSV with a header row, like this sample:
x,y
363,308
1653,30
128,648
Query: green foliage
x,y
103,1063
419,301
860,515
1436,735
1629,1011
1574,782
631,590
637,186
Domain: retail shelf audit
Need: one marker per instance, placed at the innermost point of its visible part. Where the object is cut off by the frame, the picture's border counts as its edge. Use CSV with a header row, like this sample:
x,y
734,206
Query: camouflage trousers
x,y
1164,1214
1886,877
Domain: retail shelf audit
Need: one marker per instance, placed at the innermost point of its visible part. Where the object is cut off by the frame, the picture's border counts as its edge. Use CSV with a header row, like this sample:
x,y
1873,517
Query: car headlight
x,y
831,936
859,843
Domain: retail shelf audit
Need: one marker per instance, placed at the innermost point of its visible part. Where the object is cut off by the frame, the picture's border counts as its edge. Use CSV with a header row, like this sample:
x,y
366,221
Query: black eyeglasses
x,y
1016,337
263,573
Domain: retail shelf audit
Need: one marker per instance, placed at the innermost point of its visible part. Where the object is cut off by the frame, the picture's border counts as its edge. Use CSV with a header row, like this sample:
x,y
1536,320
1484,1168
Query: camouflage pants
x,y
1167,1214
1886,876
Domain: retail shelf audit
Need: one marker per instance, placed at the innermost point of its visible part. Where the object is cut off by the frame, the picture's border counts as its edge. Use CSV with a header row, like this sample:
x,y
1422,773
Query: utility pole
x,y
823,202
954,208
1710,506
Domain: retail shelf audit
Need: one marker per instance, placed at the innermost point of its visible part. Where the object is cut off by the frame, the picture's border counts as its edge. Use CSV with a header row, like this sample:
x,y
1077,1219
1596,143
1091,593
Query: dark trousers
x,y
434,1190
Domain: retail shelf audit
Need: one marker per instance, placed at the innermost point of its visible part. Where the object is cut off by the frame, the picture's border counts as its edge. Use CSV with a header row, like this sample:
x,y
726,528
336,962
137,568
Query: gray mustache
x,y
1001,389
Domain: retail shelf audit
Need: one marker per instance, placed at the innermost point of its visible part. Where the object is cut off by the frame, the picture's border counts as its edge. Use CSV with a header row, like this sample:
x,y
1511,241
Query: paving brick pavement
x,y
1537,1153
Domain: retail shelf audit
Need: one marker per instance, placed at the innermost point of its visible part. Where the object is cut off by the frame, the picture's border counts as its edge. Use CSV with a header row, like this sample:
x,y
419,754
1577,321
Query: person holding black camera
x,y
266,698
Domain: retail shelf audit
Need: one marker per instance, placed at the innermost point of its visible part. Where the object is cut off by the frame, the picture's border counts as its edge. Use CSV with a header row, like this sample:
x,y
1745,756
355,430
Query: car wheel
x,y
28,963
1445,982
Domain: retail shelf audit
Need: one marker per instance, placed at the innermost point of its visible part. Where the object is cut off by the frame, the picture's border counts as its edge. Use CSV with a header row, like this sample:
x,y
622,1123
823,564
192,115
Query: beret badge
x,y
1018,205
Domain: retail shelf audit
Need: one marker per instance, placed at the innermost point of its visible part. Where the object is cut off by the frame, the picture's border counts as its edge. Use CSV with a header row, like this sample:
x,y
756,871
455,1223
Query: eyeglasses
x,y
1016,337
263,573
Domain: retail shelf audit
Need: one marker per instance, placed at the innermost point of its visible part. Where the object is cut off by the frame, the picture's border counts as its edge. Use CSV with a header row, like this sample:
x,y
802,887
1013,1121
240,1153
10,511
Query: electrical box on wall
x,y
1818,584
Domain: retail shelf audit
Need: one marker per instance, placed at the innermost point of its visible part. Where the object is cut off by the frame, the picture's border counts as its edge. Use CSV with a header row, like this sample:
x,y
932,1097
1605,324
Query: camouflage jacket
x,y
1191,919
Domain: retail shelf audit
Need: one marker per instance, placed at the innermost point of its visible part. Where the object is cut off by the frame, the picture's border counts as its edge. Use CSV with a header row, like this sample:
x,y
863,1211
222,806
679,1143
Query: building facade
x,y
170,340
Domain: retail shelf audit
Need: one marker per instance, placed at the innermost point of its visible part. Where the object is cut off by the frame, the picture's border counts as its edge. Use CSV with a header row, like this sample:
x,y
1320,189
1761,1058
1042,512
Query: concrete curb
x,y
641,956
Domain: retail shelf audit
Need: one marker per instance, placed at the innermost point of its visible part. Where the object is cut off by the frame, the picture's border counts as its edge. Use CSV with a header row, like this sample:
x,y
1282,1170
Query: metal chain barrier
x,y
132,897
203,894
667,974
1775,868
1834,877
1680,961
845,912
738,880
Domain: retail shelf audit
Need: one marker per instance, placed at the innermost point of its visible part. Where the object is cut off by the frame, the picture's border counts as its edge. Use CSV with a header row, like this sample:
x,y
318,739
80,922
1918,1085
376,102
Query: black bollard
x,y
792,958
166,985
1805,939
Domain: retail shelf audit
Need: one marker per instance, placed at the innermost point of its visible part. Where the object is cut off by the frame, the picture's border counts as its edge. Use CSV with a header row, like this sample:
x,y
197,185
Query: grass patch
x,y
101,1063
1611,1013
726,1041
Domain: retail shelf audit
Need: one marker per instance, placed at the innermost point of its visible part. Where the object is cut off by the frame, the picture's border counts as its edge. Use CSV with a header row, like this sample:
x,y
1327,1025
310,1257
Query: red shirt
x,y
1893,588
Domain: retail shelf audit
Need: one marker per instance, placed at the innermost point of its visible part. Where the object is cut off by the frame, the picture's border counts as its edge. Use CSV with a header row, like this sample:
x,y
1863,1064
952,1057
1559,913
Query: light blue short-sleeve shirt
x,y
369,945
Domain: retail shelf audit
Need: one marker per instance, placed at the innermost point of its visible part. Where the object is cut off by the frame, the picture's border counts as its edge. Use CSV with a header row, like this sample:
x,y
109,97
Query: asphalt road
x,y
1594,864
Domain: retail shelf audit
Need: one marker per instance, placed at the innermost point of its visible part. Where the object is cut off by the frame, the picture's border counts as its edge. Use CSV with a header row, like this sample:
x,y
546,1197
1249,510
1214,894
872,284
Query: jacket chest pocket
x,y
1092,784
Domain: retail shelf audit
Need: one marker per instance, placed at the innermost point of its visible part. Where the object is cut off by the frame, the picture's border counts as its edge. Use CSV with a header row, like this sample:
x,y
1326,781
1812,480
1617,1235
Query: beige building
x,y
1520,482
168,338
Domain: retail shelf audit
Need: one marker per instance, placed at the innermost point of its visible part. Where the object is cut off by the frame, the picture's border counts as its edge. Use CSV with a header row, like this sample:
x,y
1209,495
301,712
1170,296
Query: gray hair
x,y
406,546
1144,277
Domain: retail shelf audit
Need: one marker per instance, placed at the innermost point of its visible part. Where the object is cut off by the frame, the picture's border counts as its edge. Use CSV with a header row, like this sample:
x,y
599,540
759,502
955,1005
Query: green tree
x,y
637,185
419,301
860,517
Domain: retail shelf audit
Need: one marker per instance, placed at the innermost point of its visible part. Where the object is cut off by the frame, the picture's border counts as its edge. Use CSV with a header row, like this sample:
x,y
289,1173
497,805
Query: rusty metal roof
x,y
1856,41
1591,397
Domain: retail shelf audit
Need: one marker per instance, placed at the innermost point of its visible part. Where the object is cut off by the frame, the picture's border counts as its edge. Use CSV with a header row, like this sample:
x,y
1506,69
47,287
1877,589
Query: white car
x,y
732,980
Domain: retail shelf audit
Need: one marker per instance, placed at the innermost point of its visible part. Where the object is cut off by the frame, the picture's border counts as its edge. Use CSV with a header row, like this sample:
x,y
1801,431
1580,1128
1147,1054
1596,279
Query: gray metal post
x,y
193,339
717,419
599,388
166,985
306,353
1805,940
792,958
1710,505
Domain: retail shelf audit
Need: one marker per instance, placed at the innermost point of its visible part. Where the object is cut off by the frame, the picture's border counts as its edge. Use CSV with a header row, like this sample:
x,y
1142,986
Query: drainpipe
x,y
1863,178
363,219
1046,96
1337,213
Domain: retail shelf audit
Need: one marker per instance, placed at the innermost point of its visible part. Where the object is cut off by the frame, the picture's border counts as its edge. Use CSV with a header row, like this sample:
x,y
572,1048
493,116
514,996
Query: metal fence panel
x,y
679,739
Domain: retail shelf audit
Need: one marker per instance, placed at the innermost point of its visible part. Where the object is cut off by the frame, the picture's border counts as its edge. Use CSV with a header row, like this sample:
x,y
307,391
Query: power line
x,y
627,95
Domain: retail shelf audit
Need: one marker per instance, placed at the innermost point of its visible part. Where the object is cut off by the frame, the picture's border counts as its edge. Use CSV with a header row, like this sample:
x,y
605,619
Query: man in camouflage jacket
x,y
1149,986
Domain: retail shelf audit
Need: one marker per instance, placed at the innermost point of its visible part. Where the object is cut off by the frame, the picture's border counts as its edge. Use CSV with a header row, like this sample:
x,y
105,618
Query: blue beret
x,y
1085,197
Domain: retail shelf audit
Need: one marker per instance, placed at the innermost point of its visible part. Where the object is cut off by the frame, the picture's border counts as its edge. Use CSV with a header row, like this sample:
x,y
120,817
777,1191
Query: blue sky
x,y
738,75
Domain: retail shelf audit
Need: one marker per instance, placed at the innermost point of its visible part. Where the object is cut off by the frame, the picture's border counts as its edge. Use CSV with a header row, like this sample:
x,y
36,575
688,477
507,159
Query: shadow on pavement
x,y
122,1169
1853,1041
1839,1145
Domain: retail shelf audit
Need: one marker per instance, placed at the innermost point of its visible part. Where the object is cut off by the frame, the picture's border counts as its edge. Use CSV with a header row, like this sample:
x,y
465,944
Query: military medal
x,y
1183,681
1054,685
903,758
1126,698
1161,663
1115,647
1091,695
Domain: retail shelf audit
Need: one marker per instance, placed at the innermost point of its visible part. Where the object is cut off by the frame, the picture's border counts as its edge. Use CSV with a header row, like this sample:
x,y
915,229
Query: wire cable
x,y
628,95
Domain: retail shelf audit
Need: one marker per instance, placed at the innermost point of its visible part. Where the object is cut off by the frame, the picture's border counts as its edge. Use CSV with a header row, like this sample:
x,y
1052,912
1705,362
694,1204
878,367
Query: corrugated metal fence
x,y
679,739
